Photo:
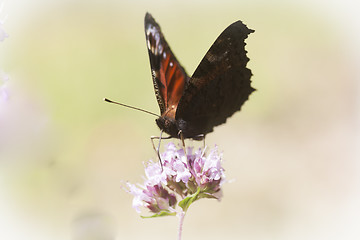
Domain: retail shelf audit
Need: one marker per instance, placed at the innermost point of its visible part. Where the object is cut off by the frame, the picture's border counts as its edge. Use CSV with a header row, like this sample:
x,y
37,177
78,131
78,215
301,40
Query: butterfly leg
x,y
157,150
181,135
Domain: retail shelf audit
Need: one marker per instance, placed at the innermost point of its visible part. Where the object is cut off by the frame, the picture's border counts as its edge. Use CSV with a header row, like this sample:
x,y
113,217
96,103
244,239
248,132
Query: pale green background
x,y
291,151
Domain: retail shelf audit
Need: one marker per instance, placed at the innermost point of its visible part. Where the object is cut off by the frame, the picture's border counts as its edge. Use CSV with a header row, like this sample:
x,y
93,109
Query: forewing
x,y
221,82
169,77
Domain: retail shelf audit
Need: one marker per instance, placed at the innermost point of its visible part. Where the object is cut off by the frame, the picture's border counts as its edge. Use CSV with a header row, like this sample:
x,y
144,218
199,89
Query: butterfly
x,y
192,106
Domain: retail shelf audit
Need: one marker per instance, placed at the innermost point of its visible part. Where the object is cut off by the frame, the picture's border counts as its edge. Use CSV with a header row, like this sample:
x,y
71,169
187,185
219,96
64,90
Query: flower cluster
x,y
185,177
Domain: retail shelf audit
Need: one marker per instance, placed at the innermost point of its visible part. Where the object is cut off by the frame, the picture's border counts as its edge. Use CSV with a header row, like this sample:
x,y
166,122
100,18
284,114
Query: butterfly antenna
x,y
124,105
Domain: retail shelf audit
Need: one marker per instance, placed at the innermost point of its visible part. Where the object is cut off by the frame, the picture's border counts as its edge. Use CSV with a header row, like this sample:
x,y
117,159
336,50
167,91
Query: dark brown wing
x,y
220,84
168,75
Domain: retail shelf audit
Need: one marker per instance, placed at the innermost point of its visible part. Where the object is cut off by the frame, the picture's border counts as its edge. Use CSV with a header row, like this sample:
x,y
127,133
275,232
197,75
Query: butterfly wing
x,y
219,85
169,77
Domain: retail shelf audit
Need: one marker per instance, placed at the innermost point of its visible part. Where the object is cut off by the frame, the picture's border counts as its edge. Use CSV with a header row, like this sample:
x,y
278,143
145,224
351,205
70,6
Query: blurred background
x,y
292,152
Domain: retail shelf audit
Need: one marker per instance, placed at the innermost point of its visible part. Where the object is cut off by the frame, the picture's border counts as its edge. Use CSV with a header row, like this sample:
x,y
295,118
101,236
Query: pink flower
x,y
187,177
207,171
154,197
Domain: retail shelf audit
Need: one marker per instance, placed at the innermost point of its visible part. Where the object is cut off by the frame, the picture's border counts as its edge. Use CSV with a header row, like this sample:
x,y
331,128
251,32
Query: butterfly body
x,y
218,88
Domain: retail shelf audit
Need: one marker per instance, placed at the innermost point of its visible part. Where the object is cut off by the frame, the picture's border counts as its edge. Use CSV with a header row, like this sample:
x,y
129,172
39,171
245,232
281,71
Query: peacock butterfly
x,y
192,106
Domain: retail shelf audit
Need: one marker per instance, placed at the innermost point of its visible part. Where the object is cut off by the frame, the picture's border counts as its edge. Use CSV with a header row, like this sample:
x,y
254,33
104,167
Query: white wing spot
x,y
164,54
171,64
148,43
160,49
152,33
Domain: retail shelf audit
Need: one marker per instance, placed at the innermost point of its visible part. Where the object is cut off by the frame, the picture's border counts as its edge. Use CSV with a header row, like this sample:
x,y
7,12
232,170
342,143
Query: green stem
x,y
181,221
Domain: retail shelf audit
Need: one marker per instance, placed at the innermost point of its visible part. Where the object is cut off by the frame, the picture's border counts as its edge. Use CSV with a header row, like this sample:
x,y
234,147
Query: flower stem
x,y
181,221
